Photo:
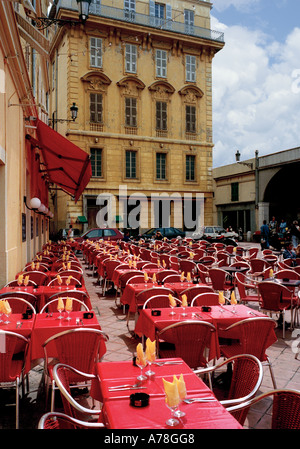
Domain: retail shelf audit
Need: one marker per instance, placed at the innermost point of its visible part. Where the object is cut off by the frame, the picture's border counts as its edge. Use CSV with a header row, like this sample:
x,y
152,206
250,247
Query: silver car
x,y
214,232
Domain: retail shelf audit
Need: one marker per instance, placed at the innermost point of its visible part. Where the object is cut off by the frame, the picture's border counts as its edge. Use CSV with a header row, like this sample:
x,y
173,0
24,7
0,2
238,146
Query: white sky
x,y
256,78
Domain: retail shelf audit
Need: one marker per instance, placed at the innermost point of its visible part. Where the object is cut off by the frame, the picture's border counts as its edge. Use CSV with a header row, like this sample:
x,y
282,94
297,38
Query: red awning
x,y
66,165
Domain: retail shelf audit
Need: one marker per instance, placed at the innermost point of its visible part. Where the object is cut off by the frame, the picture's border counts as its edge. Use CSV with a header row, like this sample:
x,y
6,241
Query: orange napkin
x,y
164,263
130,263
221,298
60,304
20,278
59,279
2,306
146,277
158,263
233,300
69,304
26,280
184,301
181,386
64,266
69,265
182,276
150,350
37,266
172,301
140,359
188,277
271,272
171,391
154,278
32,265
7,308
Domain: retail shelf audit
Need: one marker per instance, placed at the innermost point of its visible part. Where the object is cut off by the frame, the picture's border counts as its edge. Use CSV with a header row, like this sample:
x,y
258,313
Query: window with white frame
x,y
129,9
161,63
190,68
96,52
189,21
130,58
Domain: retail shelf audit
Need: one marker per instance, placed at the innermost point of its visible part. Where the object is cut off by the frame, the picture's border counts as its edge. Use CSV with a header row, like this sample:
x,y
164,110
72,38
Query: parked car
x,y
100,233
63,233
170,233
216,233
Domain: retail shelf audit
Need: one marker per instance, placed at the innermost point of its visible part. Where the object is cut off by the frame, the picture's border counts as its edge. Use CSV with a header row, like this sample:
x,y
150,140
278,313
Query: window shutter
x,y
168,16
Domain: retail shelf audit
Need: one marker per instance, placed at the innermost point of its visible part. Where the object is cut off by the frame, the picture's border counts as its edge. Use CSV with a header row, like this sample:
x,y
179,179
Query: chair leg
x,y
272,373
52,396
17,402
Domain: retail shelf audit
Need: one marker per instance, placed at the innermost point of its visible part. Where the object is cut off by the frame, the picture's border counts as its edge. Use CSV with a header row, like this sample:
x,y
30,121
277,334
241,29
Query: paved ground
x,y
121,346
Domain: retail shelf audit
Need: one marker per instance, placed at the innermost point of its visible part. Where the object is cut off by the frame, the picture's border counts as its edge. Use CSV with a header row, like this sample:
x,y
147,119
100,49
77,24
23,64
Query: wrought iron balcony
x,y
145,20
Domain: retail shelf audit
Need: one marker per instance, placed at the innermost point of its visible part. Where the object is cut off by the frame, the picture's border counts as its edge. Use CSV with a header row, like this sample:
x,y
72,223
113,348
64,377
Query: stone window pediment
x,y
96,81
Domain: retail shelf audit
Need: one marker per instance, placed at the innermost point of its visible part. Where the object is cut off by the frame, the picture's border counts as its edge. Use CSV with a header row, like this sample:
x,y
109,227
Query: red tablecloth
x,y
43,293
45,327
119,414
220,316
25,329
131,291
179,287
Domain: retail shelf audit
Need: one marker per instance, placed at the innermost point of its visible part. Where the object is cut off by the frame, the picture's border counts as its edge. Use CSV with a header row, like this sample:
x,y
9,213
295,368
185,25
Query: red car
x,y
100,233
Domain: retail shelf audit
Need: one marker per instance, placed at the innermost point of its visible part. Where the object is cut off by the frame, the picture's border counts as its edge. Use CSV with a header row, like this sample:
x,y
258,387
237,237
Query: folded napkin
x,y
188,277
150,350
20,278
2,306
69,265
59,279
271,272
146,276
172,394
7,308
233,299
32,265
182,276
26,280
221,298
69,304
158,263
154,278
181,386
184,300
172,301
37,266
140,356
60,304
68,280
164,263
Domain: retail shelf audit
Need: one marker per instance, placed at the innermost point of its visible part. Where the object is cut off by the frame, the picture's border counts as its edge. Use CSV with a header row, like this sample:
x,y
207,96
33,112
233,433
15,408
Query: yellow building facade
x,y
140,73
22,232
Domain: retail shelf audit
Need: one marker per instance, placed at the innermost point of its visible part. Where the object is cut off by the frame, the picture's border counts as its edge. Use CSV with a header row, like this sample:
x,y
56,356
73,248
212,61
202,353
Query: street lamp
x,y
83,8
256,167
74,113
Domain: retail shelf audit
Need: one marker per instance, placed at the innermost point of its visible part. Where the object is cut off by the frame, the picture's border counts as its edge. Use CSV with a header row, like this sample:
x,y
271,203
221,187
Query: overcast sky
x,y
256,78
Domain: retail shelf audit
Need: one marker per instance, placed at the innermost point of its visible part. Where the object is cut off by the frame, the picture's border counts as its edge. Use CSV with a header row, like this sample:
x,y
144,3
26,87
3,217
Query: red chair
x,y
257,267
219,280
62,374
20,305
14,283
251,336
174,263
110,266
72,281
285,410
276,298
161,275
247,291
61,421
207,261
51,306
206,299
12,363
78,348
172,278
246,373
159,301
29,297
189,340
149,292
191,292
38,277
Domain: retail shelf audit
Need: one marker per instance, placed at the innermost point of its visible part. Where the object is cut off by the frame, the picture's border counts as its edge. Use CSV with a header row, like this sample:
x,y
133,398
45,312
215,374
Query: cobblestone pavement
x,y
122,345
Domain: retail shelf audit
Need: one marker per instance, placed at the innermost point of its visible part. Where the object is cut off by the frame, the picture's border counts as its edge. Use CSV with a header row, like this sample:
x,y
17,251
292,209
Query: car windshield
x,y
219,229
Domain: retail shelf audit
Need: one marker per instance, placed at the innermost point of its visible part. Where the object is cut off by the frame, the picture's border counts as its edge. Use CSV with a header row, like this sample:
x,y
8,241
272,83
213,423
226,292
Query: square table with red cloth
x,y
24,329
119,414
220,316
130,292
45,326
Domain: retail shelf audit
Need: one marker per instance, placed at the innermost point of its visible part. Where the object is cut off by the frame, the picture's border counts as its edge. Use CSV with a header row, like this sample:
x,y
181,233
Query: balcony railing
x,y
146,20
